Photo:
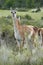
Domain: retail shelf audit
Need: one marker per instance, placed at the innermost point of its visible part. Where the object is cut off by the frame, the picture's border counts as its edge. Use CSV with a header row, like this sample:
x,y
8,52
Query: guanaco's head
x,y
13,12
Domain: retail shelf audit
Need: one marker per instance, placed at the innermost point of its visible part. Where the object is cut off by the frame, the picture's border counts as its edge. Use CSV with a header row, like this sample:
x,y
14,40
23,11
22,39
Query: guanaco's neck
x,y
16,25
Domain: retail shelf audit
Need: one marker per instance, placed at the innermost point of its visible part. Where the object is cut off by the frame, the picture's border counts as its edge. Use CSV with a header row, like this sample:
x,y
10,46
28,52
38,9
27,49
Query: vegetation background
x,y
6,4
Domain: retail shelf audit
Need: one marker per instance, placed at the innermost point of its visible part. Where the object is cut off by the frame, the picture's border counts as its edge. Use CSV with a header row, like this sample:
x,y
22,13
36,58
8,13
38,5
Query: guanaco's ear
x,y
11,10
15,11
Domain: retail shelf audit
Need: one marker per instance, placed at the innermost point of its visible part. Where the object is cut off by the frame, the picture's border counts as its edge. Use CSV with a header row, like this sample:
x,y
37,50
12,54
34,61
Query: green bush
x,y
41,18
28,17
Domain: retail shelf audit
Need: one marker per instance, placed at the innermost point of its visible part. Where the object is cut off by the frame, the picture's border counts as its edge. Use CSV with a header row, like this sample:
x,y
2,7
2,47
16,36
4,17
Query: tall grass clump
x,y
10,57
37,55
6,56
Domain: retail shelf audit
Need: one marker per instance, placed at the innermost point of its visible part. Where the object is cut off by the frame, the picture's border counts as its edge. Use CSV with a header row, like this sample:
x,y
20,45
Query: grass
x,y
36,16
10,57
4,12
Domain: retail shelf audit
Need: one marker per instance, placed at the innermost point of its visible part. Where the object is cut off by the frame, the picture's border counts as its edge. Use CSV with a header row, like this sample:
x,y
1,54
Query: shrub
x,y
42,18
36,10
28,17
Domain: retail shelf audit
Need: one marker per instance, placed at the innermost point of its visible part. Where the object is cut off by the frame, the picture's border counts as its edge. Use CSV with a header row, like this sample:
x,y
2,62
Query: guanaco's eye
x,y
11,11
15,11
